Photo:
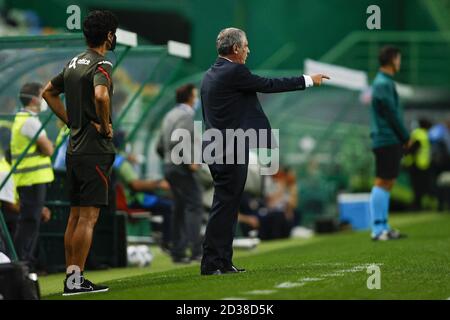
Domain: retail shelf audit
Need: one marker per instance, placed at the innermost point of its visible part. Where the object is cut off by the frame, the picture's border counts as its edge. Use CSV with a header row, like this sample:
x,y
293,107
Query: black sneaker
x,y
85,287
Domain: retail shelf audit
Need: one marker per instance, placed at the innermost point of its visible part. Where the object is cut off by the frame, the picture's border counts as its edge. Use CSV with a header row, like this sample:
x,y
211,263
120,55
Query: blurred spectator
x,y
61,145
275,214
281,202
8,108
33,172
8,196
9,199
439,135
140,193
183,178
418,162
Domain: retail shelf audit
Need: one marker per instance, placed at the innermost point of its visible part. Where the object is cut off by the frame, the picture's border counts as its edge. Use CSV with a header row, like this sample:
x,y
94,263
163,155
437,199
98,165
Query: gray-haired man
x,y
229,101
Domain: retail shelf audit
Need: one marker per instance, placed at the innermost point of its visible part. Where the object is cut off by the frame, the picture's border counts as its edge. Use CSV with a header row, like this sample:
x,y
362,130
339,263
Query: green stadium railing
x,y
440,11
425,54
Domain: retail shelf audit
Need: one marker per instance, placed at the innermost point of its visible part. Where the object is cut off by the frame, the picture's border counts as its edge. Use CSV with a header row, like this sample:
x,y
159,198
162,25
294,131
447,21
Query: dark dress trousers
x,y
229,101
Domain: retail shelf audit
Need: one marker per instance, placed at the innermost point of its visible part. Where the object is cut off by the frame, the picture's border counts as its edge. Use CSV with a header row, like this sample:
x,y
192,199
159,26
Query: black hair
x,y
184,93
97,25
387,55
425,123
28,91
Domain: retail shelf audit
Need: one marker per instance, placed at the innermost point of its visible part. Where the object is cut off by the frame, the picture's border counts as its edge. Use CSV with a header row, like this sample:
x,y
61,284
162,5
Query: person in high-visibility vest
x,y
33,172
418,162
9,199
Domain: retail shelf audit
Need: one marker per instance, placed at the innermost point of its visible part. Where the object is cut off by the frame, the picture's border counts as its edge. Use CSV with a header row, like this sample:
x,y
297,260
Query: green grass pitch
x,y
323,267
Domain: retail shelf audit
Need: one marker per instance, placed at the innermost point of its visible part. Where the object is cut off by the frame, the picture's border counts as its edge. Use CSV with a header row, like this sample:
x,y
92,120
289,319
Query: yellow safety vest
x,y
62,134
422,158
6,168
35,168
6,124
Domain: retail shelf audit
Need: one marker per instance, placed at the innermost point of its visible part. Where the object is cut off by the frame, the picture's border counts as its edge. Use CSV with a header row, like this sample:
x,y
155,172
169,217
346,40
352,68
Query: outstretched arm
x,y
246,81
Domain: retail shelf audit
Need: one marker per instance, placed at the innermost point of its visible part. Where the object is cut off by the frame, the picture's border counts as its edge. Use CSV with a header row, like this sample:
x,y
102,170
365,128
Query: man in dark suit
x,y
229,101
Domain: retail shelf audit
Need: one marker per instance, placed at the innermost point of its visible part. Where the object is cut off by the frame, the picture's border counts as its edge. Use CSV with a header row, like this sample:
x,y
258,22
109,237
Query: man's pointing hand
x,y
318,78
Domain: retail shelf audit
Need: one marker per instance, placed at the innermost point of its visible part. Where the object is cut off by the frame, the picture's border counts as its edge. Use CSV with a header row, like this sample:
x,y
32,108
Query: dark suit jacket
x,y
229,100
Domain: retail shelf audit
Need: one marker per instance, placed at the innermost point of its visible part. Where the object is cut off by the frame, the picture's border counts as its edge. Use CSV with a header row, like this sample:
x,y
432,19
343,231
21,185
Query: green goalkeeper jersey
x,y
387,127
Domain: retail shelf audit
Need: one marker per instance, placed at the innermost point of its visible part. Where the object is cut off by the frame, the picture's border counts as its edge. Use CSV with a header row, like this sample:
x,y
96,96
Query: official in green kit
x,y
389,140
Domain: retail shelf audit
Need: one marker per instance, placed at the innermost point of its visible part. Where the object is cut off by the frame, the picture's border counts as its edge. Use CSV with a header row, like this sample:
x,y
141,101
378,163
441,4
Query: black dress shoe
x,y
233,269
211,272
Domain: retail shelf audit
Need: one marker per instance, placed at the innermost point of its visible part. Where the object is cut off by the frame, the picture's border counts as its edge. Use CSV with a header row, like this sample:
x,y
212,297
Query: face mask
x,y
113,43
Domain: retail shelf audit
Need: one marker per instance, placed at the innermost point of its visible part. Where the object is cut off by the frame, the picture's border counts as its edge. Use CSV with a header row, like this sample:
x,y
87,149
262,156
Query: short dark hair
x,y
97,25
28,91
387,54
425,123
184,93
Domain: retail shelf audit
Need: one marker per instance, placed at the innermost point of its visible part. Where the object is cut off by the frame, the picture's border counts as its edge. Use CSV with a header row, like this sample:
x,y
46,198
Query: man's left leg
x,y
68,236
82,235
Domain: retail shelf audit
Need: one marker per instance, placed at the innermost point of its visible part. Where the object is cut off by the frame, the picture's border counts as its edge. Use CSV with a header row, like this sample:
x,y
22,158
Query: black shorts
x,y
387,161
88,177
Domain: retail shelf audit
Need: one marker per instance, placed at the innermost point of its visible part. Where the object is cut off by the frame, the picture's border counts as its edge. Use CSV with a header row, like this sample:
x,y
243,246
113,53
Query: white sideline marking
x,y
234,298
303,281
354,269
310,279
323,264
336,274
261,292
287,285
